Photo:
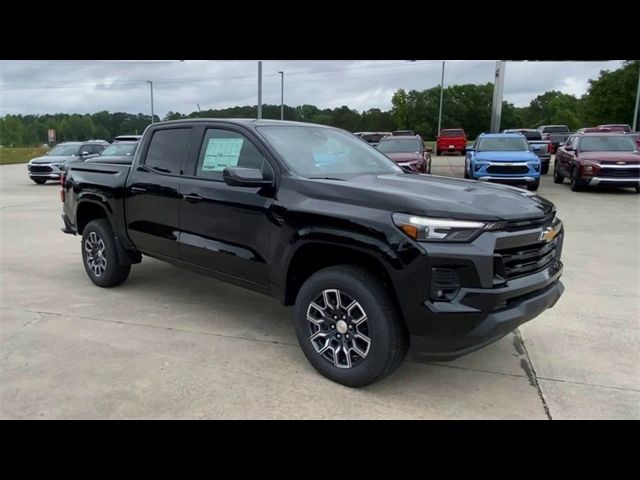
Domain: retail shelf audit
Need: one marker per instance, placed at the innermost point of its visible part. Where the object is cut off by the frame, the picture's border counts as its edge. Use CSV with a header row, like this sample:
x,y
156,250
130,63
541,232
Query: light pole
x,y
496,108
151,85
281,95
635,112
441,94
259,90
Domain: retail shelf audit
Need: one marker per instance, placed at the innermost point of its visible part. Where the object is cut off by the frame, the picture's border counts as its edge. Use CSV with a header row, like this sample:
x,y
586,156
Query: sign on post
x,y
51,135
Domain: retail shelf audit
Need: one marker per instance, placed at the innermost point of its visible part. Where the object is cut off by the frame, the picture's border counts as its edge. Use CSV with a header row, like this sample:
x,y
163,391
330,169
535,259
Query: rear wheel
x,y
40,181
348,326
637,188
438,152
99,255
544,168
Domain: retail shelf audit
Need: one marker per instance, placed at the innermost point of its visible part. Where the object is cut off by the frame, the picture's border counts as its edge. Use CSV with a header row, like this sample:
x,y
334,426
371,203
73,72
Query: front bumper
x,y
614,182
502,279
48,171
506,172
523,300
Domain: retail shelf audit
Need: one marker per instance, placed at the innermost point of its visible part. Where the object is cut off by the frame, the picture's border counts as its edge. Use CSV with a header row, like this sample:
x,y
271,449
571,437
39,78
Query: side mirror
x,y
569,148
84,154
470,149
245,177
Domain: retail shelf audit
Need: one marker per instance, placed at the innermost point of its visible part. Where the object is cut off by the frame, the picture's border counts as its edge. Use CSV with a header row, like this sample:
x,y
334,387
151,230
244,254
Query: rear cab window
x,y
452,133
167,150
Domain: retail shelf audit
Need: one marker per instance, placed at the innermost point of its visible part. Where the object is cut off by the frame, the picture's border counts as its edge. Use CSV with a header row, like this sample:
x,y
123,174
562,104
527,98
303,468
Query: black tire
x,y
544,168
576,184
557,178
102,267
463,152
40,181
533,186
637,188
389,340
438,152
466,172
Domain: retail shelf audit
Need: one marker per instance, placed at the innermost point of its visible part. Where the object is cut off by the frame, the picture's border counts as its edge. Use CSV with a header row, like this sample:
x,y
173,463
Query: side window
x,y
167,150
90,149
225,148
574,142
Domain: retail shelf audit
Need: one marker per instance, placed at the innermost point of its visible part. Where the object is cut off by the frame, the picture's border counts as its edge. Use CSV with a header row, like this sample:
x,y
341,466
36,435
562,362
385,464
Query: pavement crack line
x,y
527,366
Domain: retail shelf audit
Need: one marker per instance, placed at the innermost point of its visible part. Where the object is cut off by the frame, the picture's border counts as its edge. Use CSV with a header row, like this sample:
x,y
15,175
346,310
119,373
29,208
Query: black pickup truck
x,y
376,262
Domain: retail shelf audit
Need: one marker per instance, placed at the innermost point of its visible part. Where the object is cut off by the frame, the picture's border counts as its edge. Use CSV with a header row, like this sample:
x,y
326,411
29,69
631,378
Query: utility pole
x,y
441,95
259,90
281,95
151,85
496,107
635,112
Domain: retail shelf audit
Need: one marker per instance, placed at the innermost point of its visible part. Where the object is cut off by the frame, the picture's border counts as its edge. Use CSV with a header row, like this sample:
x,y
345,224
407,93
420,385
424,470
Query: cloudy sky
x,y
48,86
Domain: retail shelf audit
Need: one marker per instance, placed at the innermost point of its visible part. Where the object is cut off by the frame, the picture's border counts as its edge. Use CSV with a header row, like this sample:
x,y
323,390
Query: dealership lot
x,y
173,344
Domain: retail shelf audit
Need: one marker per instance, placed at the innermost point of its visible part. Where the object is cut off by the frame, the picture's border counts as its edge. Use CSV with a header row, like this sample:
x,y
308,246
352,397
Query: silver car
x,y
51,166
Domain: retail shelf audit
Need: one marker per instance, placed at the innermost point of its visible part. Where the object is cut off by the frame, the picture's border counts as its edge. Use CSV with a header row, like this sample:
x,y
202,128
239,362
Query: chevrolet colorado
x,y
376,262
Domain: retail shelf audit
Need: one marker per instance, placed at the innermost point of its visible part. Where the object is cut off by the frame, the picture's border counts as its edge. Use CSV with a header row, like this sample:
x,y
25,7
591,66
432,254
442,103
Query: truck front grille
x,y
619,172
40,168
518,261
508,169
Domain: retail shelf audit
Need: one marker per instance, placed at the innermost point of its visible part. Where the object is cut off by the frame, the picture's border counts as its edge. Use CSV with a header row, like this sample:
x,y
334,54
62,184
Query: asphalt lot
x,y
173,344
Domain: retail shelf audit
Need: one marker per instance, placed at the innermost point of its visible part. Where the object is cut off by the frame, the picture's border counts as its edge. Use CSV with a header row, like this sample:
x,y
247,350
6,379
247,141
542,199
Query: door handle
x,y
138,189
192,197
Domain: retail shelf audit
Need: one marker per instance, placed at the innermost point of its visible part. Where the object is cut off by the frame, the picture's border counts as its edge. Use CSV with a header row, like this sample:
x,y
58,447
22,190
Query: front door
x,y
223,228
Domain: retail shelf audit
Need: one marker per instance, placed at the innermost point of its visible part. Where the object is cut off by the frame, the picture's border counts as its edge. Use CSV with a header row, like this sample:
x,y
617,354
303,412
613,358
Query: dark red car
x,y
592,159
451,140
408,152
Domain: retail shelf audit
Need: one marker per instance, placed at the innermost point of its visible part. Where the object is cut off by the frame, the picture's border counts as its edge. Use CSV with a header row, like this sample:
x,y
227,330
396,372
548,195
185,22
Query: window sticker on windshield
x,y
221,153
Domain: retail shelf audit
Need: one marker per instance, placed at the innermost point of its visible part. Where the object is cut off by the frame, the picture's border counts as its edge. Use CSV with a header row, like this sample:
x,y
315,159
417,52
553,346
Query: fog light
x,y
444,283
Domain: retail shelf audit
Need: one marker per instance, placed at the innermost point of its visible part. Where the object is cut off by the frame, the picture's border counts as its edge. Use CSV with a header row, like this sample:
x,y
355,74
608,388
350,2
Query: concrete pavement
x,y
173,344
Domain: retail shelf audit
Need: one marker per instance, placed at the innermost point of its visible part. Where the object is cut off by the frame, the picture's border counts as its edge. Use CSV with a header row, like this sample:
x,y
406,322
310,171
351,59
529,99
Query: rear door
x,y
153,191
228,229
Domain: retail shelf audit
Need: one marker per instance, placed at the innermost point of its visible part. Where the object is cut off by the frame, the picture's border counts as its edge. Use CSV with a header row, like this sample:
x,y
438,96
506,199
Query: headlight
x,y
441,229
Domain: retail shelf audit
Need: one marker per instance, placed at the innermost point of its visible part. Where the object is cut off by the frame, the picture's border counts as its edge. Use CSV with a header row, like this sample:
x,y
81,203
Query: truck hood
x,y
427,195
522,156
53,159
628,157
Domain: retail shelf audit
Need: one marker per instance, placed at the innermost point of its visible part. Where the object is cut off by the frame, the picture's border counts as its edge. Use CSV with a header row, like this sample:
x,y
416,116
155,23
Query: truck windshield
x,y
120,149
613,143
396,145
65,150
505,144
325,152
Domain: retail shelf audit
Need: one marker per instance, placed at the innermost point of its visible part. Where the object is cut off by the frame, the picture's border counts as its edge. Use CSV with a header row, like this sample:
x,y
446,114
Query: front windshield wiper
x,y
327,178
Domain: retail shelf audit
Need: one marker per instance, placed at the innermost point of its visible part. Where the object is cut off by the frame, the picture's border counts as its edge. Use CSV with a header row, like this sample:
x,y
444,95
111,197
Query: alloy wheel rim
x,y
338,328
96,251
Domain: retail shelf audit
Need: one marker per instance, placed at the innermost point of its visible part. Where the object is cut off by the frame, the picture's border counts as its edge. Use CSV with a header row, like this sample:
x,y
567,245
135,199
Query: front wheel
x,y
533,186
557,178
576,183
348,326
99,255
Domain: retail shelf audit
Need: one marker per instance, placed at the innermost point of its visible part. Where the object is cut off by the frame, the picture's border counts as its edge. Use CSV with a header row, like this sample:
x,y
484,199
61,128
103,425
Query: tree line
x,y
609,99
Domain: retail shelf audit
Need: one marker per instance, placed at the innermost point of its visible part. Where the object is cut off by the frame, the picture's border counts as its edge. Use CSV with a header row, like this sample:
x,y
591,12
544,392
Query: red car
x,y
591,159
408,152
451,140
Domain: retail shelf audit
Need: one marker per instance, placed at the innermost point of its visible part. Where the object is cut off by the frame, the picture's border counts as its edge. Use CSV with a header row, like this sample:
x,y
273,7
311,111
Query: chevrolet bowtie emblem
x,y
548,234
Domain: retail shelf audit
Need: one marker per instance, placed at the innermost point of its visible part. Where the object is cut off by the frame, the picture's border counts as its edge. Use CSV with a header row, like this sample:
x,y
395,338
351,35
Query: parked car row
x,y
55,162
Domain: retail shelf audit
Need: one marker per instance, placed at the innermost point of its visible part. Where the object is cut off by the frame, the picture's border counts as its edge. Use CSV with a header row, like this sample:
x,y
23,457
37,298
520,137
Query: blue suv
x,y
504,158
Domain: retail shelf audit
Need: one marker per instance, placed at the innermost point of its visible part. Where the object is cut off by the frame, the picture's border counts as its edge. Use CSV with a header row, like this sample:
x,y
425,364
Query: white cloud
x,y
28,87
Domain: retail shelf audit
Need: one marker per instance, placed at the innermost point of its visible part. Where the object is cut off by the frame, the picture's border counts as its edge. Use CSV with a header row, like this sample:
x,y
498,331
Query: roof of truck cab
x,y
500,135
252,122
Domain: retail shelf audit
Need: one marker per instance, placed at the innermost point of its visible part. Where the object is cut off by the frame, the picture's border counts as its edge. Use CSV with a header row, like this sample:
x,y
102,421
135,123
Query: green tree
x,y
611,97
